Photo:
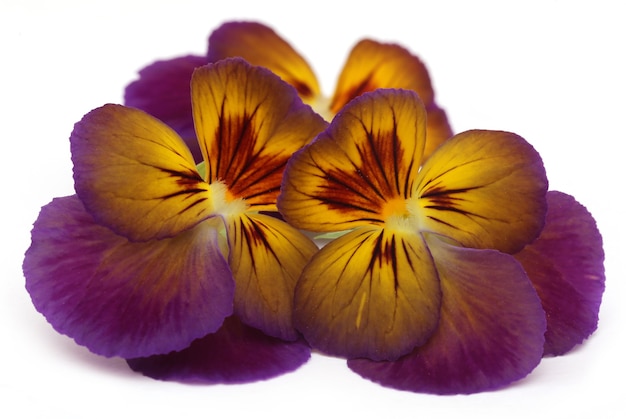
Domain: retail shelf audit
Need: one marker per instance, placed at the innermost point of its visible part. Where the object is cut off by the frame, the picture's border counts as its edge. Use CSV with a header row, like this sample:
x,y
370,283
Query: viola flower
x,y
572,301
421,292
161,89
565,266
154,255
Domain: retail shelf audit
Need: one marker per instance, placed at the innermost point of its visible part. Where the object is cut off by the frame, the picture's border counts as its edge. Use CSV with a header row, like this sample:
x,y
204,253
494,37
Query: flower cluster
x,y
220,233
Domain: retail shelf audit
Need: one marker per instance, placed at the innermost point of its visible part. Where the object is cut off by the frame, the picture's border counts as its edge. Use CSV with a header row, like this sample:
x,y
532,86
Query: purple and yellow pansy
x,y
154,253
474,351
161,89
446,265
425,266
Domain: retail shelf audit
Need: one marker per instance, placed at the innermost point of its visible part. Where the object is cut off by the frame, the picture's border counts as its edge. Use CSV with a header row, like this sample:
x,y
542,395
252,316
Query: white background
x,y
551,71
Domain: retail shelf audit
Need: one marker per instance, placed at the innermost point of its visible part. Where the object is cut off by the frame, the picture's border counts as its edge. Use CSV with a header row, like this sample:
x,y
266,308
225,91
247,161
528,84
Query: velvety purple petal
x,y
120,298
566,266
490,332
163,91
234,354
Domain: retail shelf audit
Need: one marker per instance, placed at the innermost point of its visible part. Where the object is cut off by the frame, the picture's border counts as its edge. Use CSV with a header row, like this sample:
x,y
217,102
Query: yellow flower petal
x,y
490,333
371,293
266,257
438,129
367,157
248,123
135,175
261,46
374,65
484,189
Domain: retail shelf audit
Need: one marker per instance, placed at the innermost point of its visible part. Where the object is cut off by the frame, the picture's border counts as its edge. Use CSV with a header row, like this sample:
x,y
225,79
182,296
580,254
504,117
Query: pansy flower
x,y
423,277
171,265
161,89
565,266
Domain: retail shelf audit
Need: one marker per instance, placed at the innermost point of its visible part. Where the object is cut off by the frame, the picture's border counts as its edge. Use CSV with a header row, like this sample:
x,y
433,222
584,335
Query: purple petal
x,y
566,266
490,332
163,91
120,298
234,354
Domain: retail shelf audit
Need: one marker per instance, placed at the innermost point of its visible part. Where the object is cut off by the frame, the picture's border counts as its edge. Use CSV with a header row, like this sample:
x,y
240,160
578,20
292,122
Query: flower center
x,y
401,214
224,203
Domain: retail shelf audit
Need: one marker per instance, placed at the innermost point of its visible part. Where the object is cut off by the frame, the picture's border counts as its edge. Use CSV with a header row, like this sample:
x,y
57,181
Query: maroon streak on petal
x,y
266,257
120,298
136,176
371,293
234,354
566,266
490,333
260,45
163,91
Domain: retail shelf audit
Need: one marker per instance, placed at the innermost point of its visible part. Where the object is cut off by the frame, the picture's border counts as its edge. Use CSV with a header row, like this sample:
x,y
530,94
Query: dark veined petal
x,y
136,176
490,333
374,65
267,257
162,90
370,293
121,298
369,156
565,264
484,189
249,122
234,354
261,46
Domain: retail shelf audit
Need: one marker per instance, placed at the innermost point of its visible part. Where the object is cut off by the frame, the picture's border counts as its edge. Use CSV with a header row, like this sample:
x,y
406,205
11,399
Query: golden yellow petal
x,y
374,65
370,293
438,129
367,157
267,257
484,189
261,46
248,123
136,175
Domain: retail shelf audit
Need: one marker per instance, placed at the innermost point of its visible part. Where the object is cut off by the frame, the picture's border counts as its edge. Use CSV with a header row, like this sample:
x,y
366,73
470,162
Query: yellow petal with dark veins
x,y
374,65
260,45
266,257
248,123
368,157
372,293
484,189
490,333
136,176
